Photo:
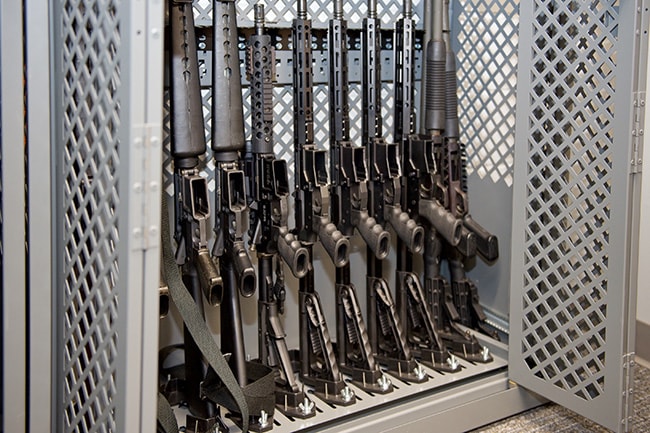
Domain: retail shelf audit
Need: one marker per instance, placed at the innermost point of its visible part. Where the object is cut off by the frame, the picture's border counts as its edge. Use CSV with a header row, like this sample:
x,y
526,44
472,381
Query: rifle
x,y
349,191
464,290
270,236
420,174
191,204
231,222
312,201
384,195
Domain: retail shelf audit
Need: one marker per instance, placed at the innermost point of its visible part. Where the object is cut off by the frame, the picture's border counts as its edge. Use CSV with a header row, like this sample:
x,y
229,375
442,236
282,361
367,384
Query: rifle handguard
x,y
209,278
374,235
336,245
406,228
293,253
487,244
442,220
244,269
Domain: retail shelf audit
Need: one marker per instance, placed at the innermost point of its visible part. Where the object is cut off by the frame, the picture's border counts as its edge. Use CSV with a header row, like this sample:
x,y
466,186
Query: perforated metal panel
x,y
106,192
573,201
487,34
91,195
320,11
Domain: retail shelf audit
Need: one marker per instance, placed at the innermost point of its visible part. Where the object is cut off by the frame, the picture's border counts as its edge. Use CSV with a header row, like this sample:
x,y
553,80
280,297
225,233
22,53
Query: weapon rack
x,y
553,171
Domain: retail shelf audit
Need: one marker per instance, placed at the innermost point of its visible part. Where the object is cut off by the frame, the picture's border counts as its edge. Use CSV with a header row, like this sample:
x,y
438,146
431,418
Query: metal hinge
x,y
638,132
144,194
628,391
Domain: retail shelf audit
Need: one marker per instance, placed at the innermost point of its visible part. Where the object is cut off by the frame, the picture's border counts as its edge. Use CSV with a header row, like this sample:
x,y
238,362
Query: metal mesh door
x,y
573,200
90,232
106,212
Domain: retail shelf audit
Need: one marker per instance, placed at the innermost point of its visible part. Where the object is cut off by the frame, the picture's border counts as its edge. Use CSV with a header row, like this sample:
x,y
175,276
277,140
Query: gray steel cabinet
x,y
552,101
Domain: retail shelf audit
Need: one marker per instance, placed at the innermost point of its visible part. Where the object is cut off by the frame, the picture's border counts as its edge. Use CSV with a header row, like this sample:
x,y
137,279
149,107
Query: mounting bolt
x,y
383,382
485,353
453,363
306,406
419,372
264,419
347,394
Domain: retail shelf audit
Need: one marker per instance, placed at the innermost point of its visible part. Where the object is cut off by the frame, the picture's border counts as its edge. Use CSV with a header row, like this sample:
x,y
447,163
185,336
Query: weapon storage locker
x,y
552,106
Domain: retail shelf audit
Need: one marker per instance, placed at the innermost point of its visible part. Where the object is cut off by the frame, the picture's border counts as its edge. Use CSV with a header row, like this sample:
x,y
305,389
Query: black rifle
x,y
419,175
231,222
269,186
384,199
349,190
312,201
465,293
191,203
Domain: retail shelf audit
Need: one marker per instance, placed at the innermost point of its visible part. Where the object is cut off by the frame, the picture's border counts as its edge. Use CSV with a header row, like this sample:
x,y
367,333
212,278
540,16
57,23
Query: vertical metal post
x,y
139,250
13,217
39,228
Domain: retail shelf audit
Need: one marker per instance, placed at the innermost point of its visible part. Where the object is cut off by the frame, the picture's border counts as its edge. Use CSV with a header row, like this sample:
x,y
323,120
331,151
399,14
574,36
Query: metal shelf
x,y
420,405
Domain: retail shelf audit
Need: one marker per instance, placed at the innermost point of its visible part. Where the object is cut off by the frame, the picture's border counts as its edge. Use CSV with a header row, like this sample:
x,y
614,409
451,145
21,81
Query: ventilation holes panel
x,y
569,172
487,72
90,122
320,11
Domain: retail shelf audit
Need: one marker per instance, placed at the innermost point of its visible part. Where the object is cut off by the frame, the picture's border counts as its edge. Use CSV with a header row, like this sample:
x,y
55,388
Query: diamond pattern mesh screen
x,y
487,38
90,120
569,172
320,11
